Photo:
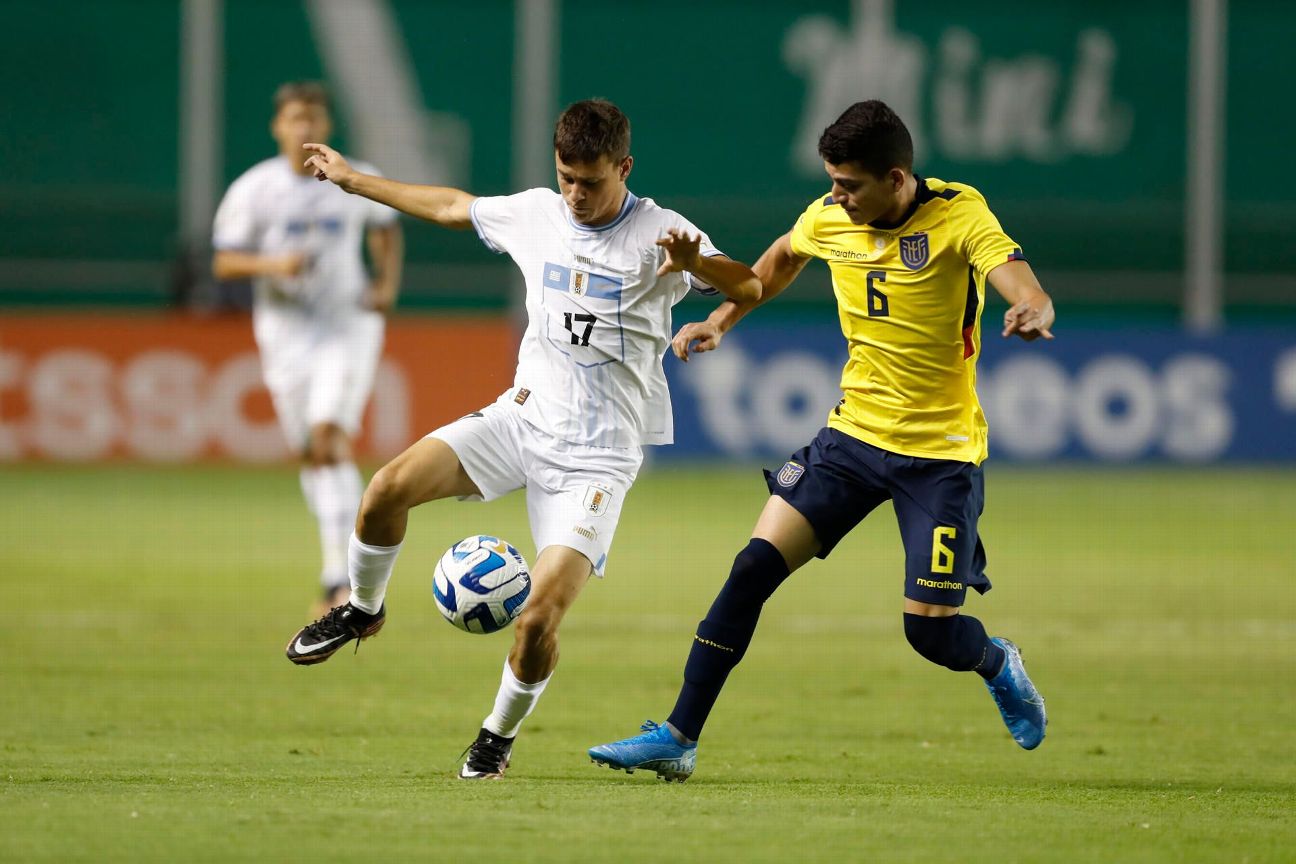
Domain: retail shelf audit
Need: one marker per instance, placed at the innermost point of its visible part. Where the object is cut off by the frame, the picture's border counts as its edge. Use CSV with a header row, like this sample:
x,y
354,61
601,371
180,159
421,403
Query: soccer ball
x,y
481,584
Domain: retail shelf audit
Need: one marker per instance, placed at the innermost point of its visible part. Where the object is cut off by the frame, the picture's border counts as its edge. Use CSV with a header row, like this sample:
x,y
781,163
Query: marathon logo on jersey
x,y
914,251
523,394
597,499
789,474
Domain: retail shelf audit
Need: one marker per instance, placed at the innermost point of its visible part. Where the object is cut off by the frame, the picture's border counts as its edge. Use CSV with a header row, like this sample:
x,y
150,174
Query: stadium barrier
x,y
81,388
1090,395
161,389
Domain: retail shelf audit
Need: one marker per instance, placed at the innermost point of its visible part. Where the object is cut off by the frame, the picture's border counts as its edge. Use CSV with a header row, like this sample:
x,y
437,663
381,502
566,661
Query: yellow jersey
x,y
909,296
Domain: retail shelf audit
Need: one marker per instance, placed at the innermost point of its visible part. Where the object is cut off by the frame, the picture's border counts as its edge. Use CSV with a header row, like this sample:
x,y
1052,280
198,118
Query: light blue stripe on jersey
x,y
627,206
559,278
591,402
607,439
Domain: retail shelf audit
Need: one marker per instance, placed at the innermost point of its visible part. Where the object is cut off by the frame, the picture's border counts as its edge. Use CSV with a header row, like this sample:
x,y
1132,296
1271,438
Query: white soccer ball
x,y
481,584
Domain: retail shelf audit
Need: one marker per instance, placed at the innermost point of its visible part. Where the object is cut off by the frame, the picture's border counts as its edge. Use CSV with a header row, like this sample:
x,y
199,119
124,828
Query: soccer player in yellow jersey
x,y
909,258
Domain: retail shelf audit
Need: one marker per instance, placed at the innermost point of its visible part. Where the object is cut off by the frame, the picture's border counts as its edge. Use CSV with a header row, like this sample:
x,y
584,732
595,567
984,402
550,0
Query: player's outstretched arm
x,y
443,205
776,269
1030,310
731,278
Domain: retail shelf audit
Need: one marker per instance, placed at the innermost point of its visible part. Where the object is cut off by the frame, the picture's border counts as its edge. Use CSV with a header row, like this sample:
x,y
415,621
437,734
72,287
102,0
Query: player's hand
x,y
697,337
1029,323
328,164
379,298
287,266
681,251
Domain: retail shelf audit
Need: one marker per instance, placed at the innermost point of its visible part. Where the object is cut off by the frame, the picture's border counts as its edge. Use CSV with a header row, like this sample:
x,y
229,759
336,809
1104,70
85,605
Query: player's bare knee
x,y
312,453
329,444
537,627
338,449
387,493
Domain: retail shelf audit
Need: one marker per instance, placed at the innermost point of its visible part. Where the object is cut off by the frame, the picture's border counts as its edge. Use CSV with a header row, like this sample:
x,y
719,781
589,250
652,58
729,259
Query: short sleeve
x,y
380,215
236,226
706,249
983,242
803,239
500,220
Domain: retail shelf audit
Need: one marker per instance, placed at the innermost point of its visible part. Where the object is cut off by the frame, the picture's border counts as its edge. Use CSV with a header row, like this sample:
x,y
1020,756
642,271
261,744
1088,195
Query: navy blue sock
x,y
722,638
957,642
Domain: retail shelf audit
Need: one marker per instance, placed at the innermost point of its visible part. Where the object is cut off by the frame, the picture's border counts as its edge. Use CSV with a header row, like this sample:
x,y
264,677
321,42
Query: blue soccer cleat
x,y
1019,702
654,750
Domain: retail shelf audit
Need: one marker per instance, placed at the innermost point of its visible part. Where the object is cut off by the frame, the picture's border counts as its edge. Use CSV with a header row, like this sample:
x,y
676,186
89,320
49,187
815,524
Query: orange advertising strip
x,y
157,388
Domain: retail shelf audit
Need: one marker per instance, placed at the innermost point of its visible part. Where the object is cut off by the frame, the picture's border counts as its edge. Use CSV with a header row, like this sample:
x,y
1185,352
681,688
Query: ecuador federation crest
x,y
789,474
914,250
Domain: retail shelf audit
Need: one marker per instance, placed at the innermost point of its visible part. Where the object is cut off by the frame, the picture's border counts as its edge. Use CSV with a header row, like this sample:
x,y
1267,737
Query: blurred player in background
x,y
909,258
318,315
603,269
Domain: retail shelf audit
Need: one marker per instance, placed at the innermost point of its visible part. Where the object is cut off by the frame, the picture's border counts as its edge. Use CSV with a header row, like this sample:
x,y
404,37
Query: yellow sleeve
x,y
982,241
804,242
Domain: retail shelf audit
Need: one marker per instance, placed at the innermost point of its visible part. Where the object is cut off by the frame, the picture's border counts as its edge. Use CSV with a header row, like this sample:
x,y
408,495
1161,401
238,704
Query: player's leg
x,y
557,578
574,498
284,343
816,499
782,541
341,362
426,471
938,504
336,488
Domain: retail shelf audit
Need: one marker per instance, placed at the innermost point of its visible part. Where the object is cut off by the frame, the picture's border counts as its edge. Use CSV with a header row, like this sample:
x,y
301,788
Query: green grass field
x,y
148,712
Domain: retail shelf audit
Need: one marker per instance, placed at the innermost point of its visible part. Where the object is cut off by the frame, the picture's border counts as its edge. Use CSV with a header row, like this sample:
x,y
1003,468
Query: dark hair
x,y
871,135
310,92
592,128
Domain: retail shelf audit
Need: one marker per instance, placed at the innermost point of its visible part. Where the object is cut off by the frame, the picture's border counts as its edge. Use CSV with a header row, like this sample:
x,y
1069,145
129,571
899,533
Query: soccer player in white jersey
x,y
603,269
317,314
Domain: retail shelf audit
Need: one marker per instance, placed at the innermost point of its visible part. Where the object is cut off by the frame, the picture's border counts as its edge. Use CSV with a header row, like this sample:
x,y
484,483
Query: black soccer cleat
x,y
488,756
318,641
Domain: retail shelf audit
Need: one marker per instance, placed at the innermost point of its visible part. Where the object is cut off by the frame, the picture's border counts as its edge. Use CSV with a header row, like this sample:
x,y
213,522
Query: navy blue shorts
x,y
838,480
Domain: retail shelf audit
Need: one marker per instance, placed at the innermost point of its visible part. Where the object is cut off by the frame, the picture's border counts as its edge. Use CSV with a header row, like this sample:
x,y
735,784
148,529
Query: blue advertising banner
x,y
1107,396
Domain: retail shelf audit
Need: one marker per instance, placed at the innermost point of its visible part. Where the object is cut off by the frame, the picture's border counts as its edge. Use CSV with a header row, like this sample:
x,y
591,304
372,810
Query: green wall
x,y
1070,117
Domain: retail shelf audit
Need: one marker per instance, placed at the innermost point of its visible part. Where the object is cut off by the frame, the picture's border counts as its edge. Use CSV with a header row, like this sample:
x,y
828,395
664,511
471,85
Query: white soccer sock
x,y
513,703
371,568
337,491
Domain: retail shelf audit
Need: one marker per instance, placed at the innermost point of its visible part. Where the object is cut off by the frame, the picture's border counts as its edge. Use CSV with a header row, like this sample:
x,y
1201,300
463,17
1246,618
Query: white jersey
x,y
273,210
599,318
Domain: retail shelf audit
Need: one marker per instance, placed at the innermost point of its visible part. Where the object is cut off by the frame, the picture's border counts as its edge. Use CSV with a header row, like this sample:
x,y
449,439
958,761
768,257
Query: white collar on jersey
x,y
626,207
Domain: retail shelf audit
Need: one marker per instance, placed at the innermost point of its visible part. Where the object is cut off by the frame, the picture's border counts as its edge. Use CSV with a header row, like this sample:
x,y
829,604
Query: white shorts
x,y
318,370
574,492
